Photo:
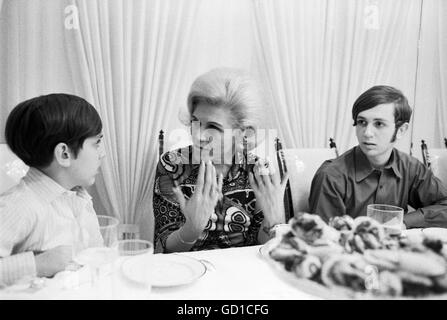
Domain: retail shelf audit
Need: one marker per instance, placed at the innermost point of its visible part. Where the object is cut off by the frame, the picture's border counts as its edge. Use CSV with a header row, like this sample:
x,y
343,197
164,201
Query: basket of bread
x,y
355,258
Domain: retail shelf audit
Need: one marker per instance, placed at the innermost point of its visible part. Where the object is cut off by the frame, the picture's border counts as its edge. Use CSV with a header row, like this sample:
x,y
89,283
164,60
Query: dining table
x,y
240,273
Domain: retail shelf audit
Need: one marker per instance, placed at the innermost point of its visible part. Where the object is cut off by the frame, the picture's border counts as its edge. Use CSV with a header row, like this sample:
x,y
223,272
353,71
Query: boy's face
x,y
375,129
85,167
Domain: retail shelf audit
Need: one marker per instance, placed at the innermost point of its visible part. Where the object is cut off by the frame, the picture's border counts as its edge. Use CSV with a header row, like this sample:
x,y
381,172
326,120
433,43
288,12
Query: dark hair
x,y
34,127
382,95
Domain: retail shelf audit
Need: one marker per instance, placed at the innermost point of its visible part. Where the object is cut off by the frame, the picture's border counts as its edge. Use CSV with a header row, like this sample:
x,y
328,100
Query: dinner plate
x,y
163,270
439,233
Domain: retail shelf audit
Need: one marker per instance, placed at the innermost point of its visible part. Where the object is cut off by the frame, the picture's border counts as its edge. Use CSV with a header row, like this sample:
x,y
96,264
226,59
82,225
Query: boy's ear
x,y
401,131
62,154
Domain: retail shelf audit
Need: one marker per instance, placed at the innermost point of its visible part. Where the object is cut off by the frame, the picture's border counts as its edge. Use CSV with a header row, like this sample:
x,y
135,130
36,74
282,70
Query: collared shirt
x,y
348,184
235,221
39,214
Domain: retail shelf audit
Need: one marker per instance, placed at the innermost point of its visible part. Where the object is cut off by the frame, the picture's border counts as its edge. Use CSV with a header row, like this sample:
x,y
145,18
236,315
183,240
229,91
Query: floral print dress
x,y
234,222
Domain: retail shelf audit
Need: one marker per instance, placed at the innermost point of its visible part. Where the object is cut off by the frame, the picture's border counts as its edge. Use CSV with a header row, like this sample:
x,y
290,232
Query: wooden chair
x,y
282,166
333,145
302,165
161,142
425,155
128,231
436,160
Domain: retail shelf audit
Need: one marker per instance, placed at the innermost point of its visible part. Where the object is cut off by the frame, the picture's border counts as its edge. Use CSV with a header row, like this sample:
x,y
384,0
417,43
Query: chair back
x,y
176,140
128,231
161,142
425,154
302,164
333,145
12,169
438,164
282,167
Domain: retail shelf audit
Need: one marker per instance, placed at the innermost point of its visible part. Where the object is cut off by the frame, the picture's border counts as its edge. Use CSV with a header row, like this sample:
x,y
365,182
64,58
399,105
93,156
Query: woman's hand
x,y
198,209
269,192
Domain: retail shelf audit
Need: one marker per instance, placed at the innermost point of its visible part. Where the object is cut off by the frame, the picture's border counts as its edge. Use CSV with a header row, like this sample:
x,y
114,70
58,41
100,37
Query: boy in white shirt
x,y
49,215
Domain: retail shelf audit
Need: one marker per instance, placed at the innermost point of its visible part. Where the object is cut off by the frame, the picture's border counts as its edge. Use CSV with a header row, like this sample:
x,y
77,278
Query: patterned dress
x,y
234,222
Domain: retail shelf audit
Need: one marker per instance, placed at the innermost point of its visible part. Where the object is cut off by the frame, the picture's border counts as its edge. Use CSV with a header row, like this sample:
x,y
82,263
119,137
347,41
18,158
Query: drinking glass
x,y
108,226
100,259
390,217
134,255
133,247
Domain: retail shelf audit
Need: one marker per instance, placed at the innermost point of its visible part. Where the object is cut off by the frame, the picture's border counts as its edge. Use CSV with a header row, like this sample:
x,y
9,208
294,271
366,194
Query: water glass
x,y
108,226
134,253
133,247
391,217
100,259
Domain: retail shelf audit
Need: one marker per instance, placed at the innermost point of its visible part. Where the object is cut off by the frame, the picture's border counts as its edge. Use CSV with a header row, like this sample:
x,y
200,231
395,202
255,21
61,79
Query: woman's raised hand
x,y
198,209
269,191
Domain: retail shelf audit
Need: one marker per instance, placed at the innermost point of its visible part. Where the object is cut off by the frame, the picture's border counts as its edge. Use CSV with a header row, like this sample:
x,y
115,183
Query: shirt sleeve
x,y
325,198
16,267
429,196
167,214
13,229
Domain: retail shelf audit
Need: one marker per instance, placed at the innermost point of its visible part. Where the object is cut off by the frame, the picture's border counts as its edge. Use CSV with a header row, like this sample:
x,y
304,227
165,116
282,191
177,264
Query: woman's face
x,y
212,133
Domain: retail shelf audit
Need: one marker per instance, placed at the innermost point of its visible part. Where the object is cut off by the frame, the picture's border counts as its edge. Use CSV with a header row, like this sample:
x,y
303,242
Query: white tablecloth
x,y
238,273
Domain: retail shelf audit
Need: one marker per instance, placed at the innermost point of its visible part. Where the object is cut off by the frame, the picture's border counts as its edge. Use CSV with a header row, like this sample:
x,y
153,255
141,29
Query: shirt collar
x,y
363,168
392,163
47,189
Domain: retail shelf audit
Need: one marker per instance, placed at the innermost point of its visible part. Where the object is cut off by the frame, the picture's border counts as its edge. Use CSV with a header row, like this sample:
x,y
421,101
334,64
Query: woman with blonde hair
x,y
215,193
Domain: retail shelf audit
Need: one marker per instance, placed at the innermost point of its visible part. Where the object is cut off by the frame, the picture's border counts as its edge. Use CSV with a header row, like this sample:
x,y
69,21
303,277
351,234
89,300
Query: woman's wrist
x,y
271,219
181,240
273,215
188,234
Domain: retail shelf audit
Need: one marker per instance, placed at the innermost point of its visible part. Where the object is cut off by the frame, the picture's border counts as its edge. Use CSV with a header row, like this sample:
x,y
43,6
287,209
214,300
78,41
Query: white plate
x,y
440,233
163,270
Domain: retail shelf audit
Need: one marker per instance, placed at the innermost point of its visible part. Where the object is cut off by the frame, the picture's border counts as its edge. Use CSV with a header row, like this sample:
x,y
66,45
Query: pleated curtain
x,y
128,59
319,56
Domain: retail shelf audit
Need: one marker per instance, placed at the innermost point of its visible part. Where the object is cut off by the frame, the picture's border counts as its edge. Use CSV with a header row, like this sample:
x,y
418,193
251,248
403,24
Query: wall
x,y
223,36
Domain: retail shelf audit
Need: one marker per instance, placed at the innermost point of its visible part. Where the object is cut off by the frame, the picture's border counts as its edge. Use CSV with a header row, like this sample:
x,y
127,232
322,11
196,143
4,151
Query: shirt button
x,y
380,187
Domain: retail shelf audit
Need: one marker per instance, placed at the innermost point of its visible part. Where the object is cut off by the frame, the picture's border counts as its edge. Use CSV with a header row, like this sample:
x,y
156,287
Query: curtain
x,y
441,74
135,61
128,59
33,58
319,56
431,91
